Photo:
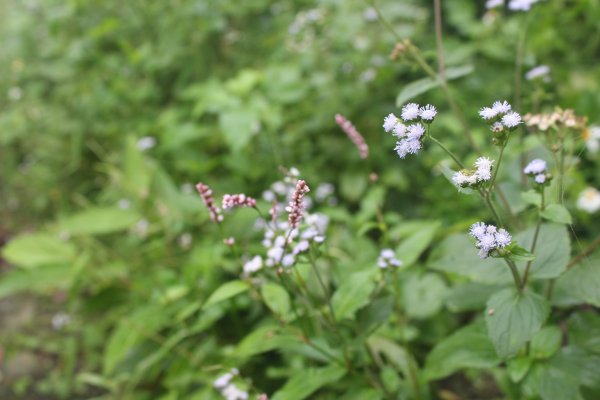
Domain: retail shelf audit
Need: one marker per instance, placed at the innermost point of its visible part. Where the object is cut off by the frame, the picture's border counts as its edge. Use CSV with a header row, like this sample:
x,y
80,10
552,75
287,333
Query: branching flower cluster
x,y
482,172
502,120
489,238
409,130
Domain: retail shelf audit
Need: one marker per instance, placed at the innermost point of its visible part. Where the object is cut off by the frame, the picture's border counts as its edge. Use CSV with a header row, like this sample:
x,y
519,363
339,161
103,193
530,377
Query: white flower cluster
x,y
591,136
481,173
513,5
387,258
410,129
589,200
489,238
229,390
537,168
501,116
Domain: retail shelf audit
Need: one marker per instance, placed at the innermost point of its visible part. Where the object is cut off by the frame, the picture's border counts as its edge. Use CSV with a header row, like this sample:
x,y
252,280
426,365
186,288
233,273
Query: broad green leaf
x,y
557,213
532,197
513,318
582,282
352,294
423,296
518,367
414,89
39,280
226,291
375,314
546,342
584,330
34,250
552,251
99,220
469,347
412,247
518,253
276,298
457,255
470,296
238,126
305,382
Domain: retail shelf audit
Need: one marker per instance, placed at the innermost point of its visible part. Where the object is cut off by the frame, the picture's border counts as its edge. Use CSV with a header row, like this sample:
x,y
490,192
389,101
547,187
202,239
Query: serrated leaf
x,y
469,347
276,298
352,294
552,251
34,250
307,381
513,318
557,213
546,342
226,291
582,282
584,330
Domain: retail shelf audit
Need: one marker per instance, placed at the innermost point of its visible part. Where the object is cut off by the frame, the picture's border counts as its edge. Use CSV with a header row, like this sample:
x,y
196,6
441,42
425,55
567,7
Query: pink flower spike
x,y
354,135
206,194
295,207
237,200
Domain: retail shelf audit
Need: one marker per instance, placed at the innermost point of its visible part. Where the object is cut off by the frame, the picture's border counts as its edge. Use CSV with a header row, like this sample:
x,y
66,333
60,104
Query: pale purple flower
x,y
387,258
427,113
521,5
501,107
487,241
253,265
399,130
541,71
535,167
511,120
410,112
487,113
540,178
477,229
503,238
389,122
415,131
493,4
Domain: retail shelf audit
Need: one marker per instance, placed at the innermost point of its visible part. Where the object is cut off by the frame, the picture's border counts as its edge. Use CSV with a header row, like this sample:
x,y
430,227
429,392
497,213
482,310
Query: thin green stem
x,y
456,160
535,239
515,274
498,165
437,8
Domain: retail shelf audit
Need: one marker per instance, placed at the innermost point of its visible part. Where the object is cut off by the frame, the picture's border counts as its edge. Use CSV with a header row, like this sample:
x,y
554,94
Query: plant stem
x,y
456,160
515,274
498,165
437,8
535,238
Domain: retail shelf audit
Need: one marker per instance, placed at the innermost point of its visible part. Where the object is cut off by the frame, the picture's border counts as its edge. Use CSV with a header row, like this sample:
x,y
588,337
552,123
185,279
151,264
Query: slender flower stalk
x,y
296,207
207,196
354,135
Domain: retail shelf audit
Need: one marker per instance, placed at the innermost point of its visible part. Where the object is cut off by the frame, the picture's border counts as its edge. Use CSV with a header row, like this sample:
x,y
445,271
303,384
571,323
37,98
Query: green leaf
x,y
226,291
424,295
39,280
276,298
34,250
137,173
412,247
532,197
552,251
307,381
457,255
518,253
469,347
414,89
513,318
469,296
557,213
99,220
263,339
238,126
518,367
546,342
582,282
584,330
352,294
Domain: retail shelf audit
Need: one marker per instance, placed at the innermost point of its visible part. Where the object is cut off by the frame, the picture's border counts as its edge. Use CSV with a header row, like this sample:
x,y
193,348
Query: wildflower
x,y
415,131
497,127
288,260
511,120
489,238
387,258
536,166
253,265
407,146
427,113
541,71
223,380
399,130
232,392
591,136
487,113
146,143
589,200
540,178
521,5
410,112
494,3
206,194
237,200
354,135
301,247
389,122
501,107
460,178
484,168
295,206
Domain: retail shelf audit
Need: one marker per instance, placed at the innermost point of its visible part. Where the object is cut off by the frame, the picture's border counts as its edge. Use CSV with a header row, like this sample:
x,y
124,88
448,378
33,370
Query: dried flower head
x,y
354,135
206,193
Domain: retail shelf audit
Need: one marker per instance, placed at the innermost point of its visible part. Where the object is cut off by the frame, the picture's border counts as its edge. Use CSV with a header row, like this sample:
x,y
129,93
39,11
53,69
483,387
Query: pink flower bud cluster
x,y
353,134
295,207
237,200
206,194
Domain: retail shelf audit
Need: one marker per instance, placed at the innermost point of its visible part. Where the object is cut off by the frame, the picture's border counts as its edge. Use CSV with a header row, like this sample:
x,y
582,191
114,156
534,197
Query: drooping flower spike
x,y
207,196
354,135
